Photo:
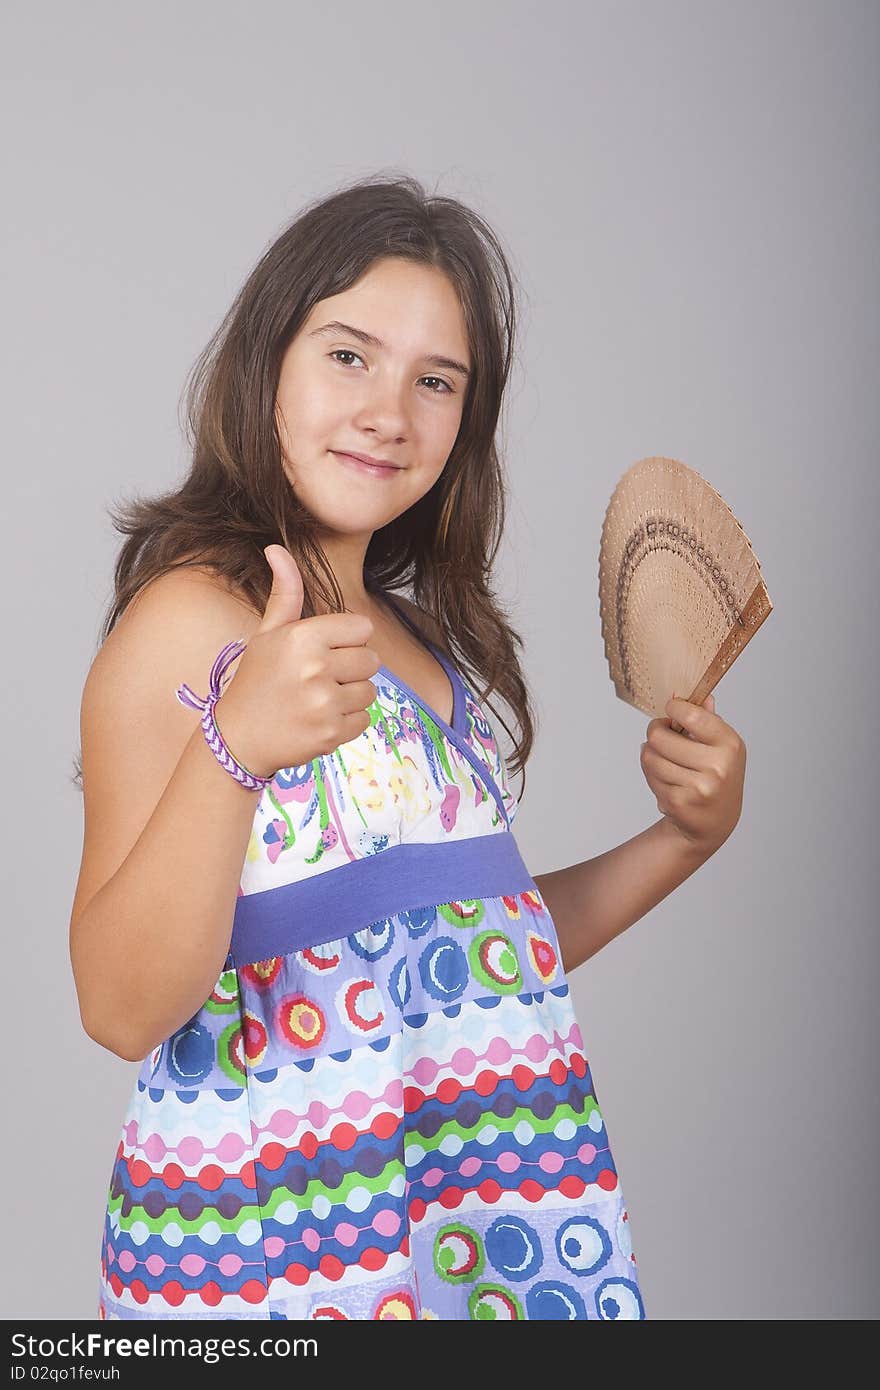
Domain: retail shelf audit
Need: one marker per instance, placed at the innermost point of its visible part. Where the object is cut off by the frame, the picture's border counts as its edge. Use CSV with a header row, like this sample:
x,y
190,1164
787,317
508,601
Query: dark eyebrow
x,y
369,340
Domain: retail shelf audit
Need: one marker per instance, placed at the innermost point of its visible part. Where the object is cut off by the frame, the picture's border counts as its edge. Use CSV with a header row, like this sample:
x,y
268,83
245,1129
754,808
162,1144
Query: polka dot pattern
x,y
398,1123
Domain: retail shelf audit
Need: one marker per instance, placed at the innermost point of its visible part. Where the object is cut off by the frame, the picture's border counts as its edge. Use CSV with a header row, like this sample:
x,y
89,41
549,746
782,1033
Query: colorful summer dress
x,y
384,1109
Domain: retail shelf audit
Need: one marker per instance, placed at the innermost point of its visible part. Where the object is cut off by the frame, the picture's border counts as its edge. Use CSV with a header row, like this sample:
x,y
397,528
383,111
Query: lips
x,y
368,458
374,470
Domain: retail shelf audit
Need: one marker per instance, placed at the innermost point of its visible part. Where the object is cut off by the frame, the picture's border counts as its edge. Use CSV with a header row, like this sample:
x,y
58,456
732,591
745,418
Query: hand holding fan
x,y
680,588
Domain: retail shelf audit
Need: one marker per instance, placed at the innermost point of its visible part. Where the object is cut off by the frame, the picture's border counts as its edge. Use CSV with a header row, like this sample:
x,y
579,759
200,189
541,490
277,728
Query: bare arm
x,y
594,901
166,827
149,947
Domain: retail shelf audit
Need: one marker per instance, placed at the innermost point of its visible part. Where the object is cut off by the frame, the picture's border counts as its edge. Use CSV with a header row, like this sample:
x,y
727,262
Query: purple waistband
x,y
353,896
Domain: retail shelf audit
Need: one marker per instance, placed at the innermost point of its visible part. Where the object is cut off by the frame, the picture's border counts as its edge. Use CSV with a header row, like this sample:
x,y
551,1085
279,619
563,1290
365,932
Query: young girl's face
x,y
338,393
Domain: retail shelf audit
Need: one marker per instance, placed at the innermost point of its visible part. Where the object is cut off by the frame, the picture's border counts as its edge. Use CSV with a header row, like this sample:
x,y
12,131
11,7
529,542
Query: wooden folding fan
x,y
680,588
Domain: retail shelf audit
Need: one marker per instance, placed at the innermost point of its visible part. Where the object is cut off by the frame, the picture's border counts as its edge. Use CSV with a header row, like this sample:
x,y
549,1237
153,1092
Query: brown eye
x,y
347,352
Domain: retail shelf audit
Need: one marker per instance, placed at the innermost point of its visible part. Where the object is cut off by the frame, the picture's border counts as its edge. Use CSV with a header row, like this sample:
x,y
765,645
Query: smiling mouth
x,y
375,470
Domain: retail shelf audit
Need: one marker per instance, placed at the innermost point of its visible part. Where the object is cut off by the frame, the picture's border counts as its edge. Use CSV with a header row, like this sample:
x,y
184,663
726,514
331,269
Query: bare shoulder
x,y
193,583
175,623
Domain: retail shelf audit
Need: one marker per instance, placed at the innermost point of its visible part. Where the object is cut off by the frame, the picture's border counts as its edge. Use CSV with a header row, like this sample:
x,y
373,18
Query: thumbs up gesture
x,y
302,685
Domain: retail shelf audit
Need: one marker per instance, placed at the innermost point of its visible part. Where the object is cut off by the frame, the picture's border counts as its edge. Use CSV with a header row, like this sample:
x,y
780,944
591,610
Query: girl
x,y
363,1091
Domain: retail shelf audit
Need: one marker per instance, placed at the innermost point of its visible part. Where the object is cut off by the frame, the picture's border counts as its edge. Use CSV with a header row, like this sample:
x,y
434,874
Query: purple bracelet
x,y
214,739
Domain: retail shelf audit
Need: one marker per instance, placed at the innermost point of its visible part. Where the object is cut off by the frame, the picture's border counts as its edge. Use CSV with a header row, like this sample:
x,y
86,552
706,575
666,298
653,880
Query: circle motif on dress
x,y
262,973
495,963
373,941
321,958
464,912
624,1235
399,1307
418,920
327,1311
543,957
256,1038
400,984
300,1021
583,1245
494,1301
443,969
359,1004
230,1052
514,1247
190,1053
223,998
552,1300
619,1298
459,1256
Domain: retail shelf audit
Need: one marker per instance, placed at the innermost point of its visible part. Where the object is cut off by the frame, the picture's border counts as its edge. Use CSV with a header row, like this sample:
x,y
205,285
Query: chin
x,y
353,524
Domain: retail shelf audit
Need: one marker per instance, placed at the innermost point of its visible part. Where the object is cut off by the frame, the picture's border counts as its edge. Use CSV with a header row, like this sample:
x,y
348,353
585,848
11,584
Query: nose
x,y
383,408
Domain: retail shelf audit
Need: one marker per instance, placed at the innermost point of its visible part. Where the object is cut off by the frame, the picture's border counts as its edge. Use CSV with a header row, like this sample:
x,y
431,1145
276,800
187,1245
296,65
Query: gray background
x,y
689,197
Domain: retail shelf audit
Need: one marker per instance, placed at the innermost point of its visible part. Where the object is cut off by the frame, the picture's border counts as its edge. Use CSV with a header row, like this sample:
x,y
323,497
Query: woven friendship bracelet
x,y
214,739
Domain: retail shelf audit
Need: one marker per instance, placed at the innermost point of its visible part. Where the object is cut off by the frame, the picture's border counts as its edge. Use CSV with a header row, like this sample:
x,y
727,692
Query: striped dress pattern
x,y
384,1109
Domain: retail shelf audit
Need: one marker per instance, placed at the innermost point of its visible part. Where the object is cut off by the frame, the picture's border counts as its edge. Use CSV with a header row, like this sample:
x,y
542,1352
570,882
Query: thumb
x,y
706,705
285,601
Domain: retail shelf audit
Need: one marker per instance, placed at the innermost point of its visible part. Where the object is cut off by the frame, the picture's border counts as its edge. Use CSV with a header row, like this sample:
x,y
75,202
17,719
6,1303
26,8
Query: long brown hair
x,y
236,498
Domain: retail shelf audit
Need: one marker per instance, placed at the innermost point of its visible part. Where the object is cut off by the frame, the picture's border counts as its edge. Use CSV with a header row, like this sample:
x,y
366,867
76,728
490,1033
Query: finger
x,y
702,724
680,747
285,601
658,724
353,663
679,750
356,696
663,770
